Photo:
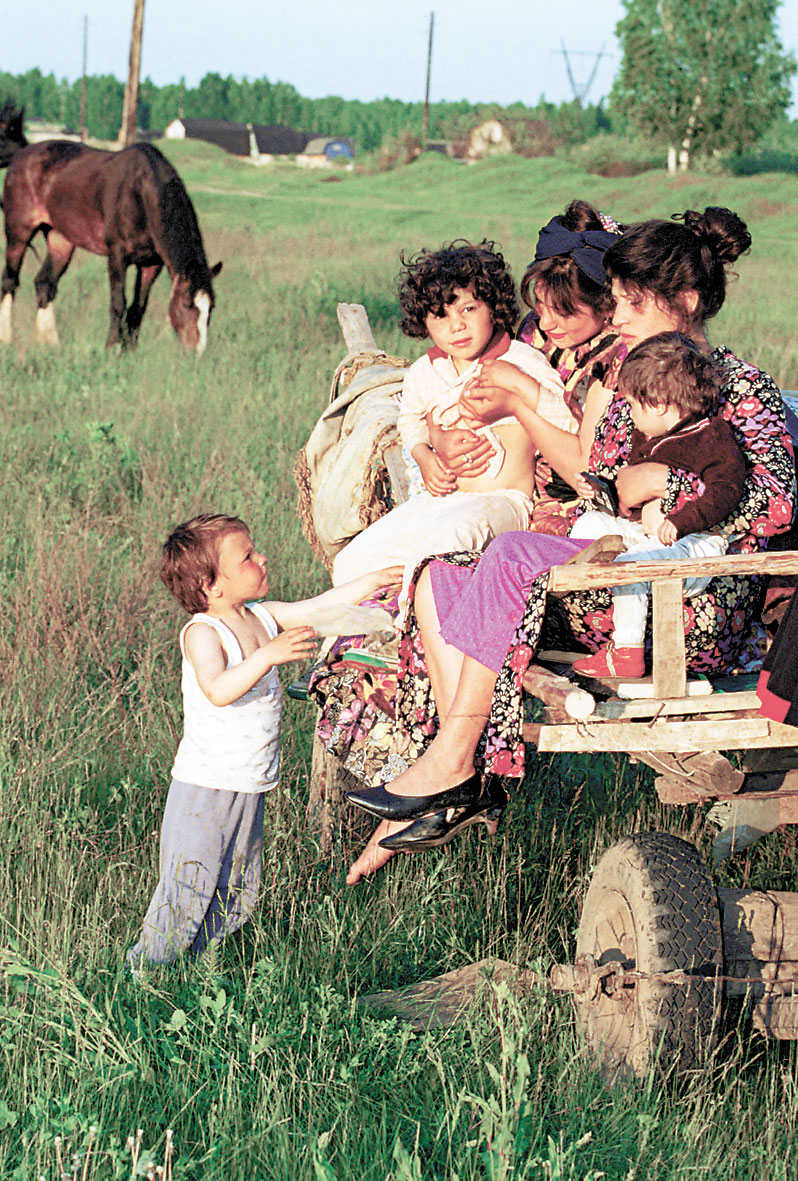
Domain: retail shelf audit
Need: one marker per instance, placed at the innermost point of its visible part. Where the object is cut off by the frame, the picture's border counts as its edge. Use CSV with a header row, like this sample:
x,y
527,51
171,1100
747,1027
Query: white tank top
x,y
235,747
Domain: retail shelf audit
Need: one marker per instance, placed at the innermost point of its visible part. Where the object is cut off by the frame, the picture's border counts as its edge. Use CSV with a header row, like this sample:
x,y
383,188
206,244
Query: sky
x,y
484,50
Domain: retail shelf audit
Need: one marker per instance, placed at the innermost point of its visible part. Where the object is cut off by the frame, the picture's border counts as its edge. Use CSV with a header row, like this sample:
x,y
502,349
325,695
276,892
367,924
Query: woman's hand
x,y
496,391
464,452
642,482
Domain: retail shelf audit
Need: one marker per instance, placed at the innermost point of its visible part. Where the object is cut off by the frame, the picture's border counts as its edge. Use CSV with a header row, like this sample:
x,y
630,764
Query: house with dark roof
x,y
241,139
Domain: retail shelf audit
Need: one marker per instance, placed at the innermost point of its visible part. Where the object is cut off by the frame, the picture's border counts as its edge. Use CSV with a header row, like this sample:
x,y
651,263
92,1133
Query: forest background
x,y
602,137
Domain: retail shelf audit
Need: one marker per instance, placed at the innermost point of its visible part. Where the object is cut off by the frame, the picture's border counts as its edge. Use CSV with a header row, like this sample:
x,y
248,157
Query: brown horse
x,y
130,206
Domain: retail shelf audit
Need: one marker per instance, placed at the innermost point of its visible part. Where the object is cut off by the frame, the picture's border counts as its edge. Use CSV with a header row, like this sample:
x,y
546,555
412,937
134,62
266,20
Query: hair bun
x,y
723,232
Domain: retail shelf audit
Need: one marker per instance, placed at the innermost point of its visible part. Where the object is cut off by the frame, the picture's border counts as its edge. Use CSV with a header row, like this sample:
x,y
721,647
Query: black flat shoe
x,y
389,806
430,832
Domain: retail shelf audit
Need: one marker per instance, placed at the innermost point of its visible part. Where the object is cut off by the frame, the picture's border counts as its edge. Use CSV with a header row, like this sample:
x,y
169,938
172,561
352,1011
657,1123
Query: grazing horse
x,y
130,206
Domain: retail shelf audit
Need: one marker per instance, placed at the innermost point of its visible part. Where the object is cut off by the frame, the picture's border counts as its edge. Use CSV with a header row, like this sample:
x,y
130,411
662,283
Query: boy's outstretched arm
x,y
222,685
347,594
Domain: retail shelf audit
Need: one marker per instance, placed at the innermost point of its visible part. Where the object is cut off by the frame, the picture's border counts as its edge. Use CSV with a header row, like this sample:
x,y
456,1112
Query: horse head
x,y
11,135
190,307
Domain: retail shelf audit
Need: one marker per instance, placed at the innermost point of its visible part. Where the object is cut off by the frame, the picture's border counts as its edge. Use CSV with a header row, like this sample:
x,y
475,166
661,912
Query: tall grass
x,y
259,1057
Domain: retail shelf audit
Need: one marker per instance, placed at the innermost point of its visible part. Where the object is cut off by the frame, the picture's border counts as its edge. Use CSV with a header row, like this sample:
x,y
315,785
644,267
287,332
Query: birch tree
x,y
701,77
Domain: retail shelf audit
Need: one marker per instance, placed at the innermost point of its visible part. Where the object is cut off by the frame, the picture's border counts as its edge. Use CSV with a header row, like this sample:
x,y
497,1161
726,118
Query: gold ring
x,y
469,458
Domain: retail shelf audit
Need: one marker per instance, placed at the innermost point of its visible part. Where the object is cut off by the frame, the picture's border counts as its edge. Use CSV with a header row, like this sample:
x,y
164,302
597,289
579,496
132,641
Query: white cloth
x,y
630,603
234,747
426,525
433,386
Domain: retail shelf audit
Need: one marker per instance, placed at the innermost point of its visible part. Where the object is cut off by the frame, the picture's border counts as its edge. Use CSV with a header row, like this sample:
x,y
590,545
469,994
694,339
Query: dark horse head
x,y
192,299
11,136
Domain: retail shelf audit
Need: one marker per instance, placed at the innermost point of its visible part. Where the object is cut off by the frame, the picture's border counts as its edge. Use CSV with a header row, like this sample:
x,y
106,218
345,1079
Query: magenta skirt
x,y
480,607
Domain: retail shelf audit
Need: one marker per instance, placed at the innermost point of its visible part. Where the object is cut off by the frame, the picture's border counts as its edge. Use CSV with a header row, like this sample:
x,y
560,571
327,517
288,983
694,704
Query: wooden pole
x,y
425,127
130,104
84,134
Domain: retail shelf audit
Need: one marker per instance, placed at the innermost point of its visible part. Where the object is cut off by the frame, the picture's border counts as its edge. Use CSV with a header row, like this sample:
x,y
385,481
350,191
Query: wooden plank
x,y
707,771
575,577
356,329
397,474
714,703
678,790
643,688
558,692
661,735
763,761
670,670
759,926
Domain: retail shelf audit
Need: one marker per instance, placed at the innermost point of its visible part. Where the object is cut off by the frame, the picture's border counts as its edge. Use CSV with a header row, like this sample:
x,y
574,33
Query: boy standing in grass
x,y
228,758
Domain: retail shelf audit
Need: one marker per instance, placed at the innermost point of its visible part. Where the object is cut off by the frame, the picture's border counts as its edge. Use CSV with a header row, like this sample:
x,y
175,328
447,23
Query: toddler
x,y
228,758
672,389
463,298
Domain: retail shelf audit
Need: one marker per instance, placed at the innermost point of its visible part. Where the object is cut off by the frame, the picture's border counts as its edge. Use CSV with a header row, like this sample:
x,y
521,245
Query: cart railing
x,y
665,714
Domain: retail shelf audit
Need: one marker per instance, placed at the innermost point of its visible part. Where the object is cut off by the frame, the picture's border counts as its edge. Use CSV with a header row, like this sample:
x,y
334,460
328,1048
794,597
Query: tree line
x,y
370,124
695,79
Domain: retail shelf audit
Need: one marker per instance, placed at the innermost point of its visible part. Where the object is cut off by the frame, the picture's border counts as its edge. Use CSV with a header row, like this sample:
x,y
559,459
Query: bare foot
x,y
373,857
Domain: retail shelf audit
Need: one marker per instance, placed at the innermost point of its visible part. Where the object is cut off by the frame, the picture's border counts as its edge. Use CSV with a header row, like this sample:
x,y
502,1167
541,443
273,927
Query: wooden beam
x,y
649,707
576,577
667,605
356,329
661,735
558,692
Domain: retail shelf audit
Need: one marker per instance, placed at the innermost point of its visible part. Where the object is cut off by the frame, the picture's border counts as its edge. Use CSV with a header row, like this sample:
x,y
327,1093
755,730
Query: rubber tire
x,y
652,904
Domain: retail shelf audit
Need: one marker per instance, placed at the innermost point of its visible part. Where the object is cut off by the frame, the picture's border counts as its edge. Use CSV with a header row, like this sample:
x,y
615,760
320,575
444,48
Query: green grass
x,y
259,1058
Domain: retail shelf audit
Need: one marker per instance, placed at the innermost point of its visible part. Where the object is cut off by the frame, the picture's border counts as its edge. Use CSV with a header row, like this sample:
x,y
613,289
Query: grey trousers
x,y
210,867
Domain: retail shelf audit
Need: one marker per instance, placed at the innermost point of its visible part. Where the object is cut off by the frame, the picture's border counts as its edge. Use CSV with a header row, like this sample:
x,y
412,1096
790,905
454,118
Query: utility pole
x,y
84,134
130,104
425,126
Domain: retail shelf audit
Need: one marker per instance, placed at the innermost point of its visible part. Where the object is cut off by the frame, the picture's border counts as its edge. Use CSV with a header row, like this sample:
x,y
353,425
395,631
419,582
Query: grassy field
x,y
259,1058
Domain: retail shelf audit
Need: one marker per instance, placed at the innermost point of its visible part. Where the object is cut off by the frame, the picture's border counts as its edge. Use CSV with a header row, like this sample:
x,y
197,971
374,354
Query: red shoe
x,y
613,662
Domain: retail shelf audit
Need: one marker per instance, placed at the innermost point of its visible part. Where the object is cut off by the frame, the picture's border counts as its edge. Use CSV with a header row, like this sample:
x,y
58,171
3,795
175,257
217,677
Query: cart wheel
x,y
651,907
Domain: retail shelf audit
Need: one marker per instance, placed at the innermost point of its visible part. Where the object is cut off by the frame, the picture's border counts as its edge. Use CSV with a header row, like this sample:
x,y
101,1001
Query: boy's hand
x,y
667,532
295,643
438,478
360,588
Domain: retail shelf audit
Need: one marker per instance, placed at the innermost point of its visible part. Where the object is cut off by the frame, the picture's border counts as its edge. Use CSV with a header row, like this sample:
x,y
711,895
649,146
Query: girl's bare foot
x,y
373,857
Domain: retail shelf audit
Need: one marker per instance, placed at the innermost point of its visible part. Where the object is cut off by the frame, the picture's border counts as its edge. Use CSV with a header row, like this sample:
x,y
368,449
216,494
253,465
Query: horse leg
x,y
117,268
145,277
14,254
59,253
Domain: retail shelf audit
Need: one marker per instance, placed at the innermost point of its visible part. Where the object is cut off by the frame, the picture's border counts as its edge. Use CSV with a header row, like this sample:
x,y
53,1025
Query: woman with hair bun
x,y
672,275
666,276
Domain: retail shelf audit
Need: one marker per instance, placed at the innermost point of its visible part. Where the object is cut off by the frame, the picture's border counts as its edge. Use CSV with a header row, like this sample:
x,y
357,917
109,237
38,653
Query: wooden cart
x,y
658,946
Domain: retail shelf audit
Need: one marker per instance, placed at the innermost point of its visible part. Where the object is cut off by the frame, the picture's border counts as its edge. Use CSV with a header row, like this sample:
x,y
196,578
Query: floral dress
x,y
717,622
